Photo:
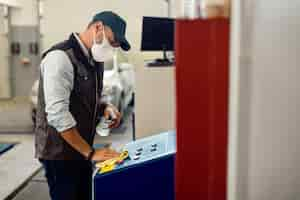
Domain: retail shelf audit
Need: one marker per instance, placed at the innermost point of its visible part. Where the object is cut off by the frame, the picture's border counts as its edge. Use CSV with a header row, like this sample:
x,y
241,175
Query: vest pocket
x,y
82,83
54,144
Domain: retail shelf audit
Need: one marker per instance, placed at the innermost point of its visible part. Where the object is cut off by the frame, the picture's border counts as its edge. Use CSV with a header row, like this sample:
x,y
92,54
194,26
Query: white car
x,y
118,86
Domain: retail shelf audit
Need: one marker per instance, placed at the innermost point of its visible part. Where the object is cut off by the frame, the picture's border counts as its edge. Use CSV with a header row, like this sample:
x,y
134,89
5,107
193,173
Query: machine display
x,y
158,35
146,171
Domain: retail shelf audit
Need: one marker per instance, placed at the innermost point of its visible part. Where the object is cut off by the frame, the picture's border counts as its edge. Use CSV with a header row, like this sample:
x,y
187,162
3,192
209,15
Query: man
x,y
69,106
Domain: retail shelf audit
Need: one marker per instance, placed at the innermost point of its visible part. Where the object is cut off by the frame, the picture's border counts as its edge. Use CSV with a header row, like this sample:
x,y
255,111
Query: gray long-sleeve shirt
x,y
58,74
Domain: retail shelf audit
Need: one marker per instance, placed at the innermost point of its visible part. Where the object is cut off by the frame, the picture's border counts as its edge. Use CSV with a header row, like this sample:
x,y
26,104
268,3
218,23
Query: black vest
x,y
84,105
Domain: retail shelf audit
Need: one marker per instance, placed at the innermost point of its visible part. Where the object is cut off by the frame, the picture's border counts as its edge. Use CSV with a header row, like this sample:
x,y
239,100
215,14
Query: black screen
x,y
158,34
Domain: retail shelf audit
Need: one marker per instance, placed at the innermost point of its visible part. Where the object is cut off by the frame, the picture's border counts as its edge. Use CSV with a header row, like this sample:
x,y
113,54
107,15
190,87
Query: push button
x,y
154,145
136,157
139,149
138,153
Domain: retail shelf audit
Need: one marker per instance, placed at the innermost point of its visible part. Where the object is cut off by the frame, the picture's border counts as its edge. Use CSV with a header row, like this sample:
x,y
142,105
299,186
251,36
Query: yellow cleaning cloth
x,y
110,164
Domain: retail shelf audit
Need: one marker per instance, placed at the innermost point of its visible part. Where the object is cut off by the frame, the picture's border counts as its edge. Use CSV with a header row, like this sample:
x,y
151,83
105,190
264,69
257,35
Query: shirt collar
x,y
84,49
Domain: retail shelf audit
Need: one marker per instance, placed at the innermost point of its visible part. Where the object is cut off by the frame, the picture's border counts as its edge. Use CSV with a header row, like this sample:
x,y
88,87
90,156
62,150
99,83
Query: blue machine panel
x,y
148,174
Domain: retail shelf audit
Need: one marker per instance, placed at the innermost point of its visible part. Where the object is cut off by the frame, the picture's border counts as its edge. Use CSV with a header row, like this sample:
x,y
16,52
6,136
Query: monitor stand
x,y
161,62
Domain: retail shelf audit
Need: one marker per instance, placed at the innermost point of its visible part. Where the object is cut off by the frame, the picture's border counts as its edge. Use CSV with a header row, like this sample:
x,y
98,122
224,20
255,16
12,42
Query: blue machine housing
x,y
148,174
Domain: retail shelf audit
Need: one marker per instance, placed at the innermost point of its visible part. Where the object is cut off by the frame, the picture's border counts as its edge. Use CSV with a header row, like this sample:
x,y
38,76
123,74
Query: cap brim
x,y
124,44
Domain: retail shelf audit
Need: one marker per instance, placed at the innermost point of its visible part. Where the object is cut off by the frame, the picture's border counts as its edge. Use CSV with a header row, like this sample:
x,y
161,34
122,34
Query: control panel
x,y
148,149
147,171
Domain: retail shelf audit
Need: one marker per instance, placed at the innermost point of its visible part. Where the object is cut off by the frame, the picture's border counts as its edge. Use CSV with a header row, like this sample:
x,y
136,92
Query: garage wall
x,y
4,57
25,14
155,100
24,30
10,2
63,17
269,106
22,15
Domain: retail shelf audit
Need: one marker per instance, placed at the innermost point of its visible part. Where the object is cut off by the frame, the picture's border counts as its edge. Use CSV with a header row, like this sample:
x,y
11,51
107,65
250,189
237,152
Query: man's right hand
x,y
72,137
104,154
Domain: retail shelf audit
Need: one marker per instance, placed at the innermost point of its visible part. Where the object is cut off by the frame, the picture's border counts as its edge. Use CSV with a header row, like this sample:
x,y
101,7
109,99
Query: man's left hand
x,y
111,112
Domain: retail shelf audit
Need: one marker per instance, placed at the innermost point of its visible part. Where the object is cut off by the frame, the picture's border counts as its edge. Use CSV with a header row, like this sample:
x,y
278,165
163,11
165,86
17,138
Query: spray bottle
x,y
102,128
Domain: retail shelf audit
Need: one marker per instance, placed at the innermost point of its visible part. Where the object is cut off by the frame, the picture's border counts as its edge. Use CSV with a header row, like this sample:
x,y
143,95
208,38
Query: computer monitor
x,y
158,35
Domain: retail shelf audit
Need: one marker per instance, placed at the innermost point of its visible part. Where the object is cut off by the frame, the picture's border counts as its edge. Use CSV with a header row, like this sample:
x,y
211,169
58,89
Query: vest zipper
x,y
96,102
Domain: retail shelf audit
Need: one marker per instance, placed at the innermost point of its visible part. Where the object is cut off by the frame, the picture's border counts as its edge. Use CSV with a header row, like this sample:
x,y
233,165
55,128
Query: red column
x,y
202,81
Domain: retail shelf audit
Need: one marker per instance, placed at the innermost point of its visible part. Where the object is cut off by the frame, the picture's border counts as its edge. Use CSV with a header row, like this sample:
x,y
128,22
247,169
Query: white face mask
x,y
102,52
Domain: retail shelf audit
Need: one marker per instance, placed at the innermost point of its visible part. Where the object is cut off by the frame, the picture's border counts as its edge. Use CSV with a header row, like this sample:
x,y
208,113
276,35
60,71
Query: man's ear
x,y
98,30
99,26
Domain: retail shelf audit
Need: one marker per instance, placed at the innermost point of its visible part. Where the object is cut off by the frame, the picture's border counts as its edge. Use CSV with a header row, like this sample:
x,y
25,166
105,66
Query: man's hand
x,y
111,112
104,154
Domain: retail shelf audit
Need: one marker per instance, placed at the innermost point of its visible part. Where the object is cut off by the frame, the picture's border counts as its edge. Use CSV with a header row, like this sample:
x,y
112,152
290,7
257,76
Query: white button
x,y
136,157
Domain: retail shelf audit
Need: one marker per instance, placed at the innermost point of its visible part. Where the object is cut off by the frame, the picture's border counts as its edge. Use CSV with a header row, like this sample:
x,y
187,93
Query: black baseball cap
x,y
117,25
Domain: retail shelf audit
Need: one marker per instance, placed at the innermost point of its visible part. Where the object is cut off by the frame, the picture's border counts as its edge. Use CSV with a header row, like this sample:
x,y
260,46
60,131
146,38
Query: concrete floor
x,y
36,189
15,115
20,160
18,164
